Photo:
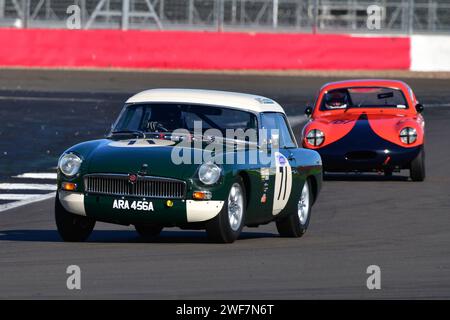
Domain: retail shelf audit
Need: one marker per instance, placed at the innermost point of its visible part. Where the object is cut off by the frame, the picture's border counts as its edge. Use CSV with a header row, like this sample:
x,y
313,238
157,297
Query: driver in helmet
x,y
336,99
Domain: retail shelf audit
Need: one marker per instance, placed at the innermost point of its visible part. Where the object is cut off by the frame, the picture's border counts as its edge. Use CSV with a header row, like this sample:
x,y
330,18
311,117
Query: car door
x,y
291,151
283,160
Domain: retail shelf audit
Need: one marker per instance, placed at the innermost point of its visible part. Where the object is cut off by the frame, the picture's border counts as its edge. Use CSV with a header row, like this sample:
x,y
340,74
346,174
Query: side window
x,y
272,120
286,139
269,123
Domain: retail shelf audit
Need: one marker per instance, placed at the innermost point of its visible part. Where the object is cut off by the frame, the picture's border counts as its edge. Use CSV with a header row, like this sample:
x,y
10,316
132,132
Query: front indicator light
x,y
201,195
69,186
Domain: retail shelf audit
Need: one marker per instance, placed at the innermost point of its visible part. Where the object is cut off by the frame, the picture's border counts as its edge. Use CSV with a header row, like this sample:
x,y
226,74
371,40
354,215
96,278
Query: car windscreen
x,y
167,117
363,97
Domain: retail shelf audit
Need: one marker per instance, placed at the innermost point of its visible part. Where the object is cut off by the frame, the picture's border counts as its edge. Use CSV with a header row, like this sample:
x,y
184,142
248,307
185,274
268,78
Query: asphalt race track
x,y
359,220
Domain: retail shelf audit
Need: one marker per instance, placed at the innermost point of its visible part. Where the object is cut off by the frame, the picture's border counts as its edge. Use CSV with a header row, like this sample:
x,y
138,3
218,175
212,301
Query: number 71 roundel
x,y
283,183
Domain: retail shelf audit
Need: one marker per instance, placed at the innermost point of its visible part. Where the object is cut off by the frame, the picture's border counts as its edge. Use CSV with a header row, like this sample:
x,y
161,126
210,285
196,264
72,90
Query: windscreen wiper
x,y
134,132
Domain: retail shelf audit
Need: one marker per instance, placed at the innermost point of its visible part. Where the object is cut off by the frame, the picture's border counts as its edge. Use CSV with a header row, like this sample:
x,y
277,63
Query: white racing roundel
x,y
283,183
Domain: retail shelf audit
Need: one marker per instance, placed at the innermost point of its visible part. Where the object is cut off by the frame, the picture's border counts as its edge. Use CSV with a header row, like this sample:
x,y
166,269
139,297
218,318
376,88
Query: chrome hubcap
x,y
303,205
235,206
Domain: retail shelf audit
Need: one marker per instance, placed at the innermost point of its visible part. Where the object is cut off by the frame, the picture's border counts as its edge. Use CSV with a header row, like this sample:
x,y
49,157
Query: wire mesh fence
x,y
346,16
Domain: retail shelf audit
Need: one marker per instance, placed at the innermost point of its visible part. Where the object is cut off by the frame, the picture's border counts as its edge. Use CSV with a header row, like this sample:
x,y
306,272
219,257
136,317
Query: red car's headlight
x,y
408,135
315,137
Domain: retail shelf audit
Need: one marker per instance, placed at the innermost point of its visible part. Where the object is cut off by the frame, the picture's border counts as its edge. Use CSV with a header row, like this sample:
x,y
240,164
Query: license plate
x,y
136,205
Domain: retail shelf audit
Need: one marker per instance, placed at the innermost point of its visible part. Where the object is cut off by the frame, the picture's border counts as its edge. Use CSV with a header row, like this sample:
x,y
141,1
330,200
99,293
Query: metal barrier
x,y
325,16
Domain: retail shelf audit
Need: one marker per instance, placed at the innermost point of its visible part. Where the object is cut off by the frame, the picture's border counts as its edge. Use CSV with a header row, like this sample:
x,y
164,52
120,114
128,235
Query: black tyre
x,y
148,232
227,225
417,170
72,227
296,224
388,173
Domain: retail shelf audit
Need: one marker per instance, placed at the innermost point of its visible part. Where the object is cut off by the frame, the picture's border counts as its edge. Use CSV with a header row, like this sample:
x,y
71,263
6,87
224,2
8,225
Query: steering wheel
x,y
155,126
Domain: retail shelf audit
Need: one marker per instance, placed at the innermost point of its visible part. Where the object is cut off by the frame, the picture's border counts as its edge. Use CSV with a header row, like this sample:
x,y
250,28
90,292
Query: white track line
x,y
15,196
24,199
35,175
7,206
27,186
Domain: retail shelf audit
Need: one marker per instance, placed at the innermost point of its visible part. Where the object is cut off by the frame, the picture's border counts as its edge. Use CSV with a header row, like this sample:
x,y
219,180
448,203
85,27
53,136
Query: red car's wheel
x,y
417,170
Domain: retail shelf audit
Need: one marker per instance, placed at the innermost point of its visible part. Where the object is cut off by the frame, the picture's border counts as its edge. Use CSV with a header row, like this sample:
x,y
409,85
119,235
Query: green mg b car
x,y
193,159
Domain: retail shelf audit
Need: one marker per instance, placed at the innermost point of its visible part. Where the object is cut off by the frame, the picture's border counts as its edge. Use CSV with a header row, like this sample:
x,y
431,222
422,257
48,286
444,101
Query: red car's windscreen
x,y
363,97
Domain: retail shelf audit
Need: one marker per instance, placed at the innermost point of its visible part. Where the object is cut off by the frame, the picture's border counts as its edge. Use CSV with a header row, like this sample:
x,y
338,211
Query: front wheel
x,y
72,227
227,225
417,170
296,224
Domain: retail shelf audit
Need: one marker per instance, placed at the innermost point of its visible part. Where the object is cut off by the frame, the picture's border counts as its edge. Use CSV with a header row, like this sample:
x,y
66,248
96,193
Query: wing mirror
x,y
308,111
419,108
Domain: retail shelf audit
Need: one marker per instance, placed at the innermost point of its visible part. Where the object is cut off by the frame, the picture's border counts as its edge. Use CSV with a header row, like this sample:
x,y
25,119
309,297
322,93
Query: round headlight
x,y
69,164
209,173
408,135
315,137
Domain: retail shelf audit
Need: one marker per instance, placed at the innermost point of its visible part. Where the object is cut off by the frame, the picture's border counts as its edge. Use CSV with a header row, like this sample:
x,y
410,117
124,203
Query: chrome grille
x,y
118,185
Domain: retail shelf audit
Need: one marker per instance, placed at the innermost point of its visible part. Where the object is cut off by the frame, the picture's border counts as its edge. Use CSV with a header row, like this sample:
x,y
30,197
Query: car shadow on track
x,y
363,177
122,236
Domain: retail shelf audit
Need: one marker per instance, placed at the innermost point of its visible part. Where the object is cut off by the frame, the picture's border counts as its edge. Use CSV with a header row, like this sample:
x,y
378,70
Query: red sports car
x,y
367,125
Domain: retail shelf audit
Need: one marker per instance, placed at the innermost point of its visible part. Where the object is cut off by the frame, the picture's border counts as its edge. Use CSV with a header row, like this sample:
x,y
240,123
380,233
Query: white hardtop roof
x,y
235,100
